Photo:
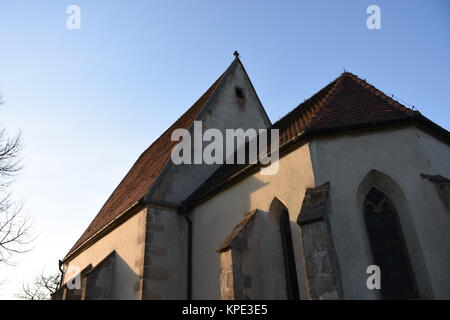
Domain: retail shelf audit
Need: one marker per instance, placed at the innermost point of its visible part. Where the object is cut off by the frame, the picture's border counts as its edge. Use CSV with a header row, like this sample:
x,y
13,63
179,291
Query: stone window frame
x,y
388,205
385,182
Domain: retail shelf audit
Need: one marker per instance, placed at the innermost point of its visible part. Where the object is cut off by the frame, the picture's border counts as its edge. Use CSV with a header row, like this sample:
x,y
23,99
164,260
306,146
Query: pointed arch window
x,y
288,257
285,282
388,248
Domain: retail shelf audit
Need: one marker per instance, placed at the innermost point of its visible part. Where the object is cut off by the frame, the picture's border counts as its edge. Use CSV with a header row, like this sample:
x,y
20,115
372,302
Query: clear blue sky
x,y
90,101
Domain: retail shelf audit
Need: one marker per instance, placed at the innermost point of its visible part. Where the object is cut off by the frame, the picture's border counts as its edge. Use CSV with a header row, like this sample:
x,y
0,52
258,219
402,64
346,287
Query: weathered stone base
x,y
322,269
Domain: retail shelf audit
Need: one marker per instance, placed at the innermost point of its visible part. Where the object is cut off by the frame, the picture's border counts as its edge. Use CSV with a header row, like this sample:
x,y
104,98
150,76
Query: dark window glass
x,y
240,93
388,247
289,258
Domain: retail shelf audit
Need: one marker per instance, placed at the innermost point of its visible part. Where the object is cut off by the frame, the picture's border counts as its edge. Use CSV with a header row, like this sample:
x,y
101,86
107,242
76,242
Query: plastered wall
x,y
128,242
214,219
391,160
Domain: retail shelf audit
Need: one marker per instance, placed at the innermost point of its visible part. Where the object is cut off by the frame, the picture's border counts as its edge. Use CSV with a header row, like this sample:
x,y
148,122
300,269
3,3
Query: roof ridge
x,y
215,85
328,97
377,92
162,136
305,102
218,80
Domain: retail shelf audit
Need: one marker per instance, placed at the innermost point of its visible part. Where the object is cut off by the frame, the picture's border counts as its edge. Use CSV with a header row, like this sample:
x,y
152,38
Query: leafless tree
x,y
41,288
15,235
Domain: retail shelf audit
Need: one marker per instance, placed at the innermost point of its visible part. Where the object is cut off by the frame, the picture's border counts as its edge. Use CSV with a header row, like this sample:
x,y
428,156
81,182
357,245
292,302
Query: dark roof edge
x,y
415,118
254,90
227,242
434,127
127,214
308,135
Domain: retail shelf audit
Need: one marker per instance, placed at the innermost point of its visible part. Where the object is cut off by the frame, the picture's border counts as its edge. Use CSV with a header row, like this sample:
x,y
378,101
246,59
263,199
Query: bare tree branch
x,y
41,288
10,149
15,237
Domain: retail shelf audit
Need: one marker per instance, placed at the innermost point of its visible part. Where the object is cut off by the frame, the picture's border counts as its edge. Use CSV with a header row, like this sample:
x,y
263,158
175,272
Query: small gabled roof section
x,y
314,204
227,242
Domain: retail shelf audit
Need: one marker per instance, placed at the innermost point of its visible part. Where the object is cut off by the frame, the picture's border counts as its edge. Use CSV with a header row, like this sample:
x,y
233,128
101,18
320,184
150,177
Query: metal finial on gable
x,y
236,54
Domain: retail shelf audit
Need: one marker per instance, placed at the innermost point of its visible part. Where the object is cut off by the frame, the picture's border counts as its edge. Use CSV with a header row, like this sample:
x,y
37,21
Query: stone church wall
x,y
393,160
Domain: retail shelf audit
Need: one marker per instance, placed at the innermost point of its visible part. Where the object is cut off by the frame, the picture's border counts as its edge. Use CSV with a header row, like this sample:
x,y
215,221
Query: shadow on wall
x,y
278,253
258,258
111,278
127,285
213,222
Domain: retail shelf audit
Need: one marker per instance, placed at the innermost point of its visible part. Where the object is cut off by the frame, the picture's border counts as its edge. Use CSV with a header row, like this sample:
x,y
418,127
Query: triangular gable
x,y
145,171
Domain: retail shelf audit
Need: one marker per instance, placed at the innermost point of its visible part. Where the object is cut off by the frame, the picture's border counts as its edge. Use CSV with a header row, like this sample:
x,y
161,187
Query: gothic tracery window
x,y
388,248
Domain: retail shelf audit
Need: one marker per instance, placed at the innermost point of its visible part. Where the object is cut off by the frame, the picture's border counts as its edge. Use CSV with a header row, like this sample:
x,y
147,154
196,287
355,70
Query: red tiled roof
x,y
347,102
144,172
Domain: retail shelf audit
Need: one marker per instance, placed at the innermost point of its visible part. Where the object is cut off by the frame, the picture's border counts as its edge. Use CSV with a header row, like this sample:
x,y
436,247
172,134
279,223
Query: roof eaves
x,y
103,231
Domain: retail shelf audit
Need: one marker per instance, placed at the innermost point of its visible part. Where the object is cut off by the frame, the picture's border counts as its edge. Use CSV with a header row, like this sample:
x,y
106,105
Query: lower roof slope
x,y
144,172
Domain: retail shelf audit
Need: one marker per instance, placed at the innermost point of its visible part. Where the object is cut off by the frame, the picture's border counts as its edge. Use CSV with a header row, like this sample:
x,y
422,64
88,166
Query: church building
x,y
358,209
